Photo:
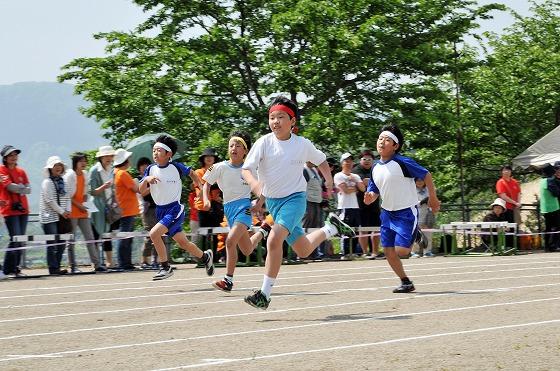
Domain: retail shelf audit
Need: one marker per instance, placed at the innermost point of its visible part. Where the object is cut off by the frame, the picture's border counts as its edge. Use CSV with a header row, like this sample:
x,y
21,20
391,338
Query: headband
x,y
239,139
281,107
164,146
387,133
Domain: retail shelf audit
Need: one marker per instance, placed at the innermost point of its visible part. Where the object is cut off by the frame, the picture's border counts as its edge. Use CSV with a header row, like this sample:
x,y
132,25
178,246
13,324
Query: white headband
x,y
161,145
387,133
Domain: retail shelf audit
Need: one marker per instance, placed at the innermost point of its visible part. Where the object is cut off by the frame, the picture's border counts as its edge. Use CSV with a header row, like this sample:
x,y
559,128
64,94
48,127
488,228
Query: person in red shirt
x,y
508,189
15,209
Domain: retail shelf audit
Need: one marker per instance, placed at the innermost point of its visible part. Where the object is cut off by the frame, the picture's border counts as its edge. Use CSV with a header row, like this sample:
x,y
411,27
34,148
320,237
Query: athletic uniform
x,y
393,180
279,165
237,201
167,194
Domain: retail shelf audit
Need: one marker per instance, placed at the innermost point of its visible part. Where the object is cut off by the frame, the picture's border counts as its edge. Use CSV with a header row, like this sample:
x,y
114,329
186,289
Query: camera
x,y
18,206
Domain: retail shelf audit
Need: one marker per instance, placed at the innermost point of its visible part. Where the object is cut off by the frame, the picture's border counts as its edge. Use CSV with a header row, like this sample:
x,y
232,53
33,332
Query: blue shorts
x,y
398,228
172,216
288,212
238,211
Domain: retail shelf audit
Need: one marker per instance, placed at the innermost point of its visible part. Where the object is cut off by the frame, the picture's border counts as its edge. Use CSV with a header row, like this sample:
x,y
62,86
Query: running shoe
x,y
265,229
163,273
342,228
223,285
404,288
429,254
257,300
209,263
421,239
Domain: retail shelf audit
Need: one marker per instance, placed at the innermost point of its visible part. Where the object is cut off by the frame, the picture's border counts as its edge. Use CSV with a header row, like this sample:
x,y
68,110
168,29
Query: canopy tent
x,y
544,151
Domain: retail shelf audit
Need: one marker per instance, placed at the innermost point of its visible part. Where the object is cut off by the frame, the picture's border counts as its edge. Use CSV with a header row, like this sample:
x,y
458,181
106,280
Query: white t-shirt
x,y
169,187
229,179
347,200
279,163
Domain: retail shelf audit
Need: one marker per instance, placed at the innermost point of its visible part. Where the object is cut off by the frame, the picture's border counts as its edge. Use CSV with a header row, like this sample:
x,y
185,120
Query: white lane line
x,y
209,291
363,345
253,313
287,273
284,328
280,279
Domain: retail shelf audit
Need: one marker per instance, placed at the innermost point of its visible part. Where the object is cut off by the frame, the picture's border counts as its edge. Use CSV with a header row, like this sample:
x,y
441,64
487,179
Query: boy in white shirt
x,y
278,158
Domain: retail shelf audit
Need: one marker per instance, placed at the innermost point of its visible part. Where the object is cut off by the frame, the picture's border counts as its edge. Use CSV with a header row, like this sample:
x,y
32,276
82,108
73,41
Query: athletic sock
x,y
329,230
228,278
267,284
406,281
165,265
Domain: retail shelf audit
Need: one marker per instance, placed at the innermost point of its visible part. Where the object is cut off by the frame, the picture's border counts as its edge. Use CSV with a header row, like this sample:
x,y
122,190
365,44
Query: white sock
x,y
329,230
267,284
228,278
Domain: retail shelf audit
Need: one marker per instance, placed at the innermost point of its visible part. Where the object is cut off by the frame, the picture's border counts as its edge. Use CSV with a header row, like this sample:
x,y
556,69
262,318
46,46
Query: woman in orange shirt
x,y
125,190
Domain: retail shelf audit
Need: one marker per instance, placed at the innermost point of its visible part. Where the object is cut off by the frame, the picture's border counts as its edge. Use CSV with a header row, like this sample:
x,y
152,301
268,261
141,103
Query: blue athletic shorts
x,y
172,216
288,212
398,228
238,211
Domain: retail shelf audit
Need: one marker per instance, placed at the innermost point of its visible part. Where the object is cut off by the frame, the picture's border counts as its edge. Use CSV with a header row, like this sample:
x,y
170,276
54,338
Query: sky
x,y
37,37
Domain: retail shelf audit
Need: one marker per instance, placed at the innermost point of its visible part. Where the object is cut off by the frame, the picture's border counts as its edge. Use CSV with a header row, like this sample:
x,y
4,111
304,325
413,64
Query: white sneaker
x,y
3,276
163,273
429,254
414,255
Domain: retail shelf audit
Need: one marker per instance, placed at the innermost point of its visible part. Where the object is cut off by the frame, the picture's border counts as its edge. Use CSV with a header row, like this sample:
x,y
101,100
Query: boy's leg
x,y
206,257
394,255
156,234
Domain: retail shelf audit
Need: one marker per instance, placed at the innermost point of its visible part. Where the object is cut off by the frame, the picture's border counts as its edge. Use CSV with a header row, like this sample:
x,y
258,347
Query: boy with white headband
x,y
279,158
237,204
164,180
392,178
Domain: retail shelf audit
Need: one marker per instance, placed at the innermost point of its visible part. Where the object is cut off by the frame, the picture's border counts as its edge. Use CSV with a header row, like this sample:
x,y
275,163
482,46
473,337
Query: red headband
x,y
281,107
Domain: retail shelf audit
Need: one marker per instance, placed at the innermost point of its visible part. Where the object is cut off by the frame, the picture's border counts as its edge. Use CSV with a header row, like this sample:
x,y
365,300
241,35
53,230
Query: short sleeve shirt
x,y
229,179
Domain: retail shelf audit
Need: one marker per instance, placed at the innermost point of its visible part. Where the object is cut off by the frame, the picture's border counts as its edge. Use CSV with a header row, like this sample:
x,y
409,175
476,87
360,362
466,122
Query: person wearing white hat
x,y
100,187
54,204
126,190
498,214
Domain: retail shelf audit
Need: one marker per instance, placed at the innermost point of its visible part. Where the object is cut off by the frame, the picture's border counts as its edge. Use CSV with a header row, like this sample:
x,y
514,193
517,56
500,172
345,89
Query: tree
x,y
207,66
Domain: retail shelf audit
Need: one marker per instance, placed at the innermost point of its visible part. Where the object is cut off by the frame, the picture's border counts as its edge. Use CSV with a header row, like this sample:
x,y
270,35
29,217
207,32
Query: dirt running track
x,y
484,313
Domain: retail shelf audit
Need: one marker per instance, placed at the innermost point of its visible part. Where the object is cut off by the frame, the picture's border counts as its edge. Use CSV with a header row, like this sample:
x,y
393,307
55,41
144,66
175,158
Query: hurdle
x,y
494,229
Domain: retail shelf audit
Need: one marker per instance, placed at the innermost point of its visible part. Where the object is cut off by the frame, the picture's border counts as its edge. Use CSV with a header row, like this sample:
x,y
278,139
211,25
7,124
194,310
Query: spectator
x,y
193,216
313,217
15,209
508,190
550,205
76,182
348,185
426,219
100,187
125,189
330,202
54,205
369,214
149,219
498,214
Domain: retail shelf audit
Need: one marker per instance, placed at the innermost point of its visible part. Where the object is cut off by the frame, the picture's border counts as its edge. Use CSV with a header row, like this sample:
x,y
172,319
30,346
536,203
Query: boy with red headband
x,y
278,158
392,177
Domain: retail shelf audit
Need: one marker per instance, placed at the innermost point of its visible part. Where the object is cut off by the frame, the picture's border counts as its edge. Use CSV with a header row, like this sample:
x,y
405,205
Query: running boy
x,y
392,177
237,204
279,158
164,180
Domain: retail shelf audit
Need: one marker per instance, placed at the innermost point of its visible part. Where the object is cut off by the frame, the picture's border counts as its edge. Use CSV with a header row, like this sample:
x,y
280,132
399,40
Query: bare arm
x,y
326,172
433,201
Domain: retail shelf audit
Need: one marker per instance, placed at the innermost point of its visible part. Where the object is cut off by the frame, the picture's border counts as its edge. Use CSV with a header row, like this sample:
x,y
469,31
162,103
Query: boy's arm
x,y
326,172
433,201
252,181
206,196
196,179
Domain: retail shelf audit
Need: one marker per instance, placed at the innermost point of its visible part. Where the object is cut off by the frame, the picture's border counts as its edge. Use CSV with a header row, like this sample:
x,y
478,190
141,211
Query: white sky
x,y
37,37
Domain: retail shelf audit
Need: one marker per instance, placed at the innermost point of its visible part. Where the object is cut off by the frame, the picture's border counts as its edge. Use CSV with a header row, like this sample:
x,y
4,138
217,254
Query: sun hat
x,y
209,152
499,202
346,156
105,151
121,155
51,161
7,149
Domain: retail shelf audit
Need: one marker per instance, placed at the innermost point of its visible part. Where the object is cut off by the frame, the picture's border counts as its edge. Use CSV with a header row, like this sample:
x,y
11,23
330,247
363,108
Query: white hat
x,y
499,202
121,155
346,156
51,161
105,151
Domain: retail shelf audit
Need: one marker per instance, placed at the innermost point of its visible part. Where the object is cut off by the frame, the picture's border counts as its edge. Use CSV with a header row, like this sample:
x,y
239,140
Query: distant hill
x,y
42,119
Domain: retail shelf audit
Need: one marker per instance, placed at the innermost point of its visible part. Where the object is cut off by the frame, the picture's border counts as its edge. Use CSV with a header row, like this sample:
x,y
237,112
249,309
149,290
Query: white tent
x,y
544,151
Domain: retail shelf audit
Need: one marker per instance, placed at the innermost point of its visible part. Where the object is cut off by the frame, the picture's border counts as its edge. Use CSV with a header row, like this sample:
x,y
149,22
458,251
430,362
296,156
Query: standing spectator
x,y
348,185
508,190
426,219
100,187
53,206
2,204
193,216
369,214
149,220
313,217
550,206
76,184
15,209
125,189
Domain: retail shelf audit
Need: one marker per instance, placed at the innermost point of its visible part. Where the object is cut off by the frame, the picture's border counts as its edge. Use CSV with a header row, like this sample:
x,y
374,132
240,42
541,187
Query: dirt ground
x,y
468,313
